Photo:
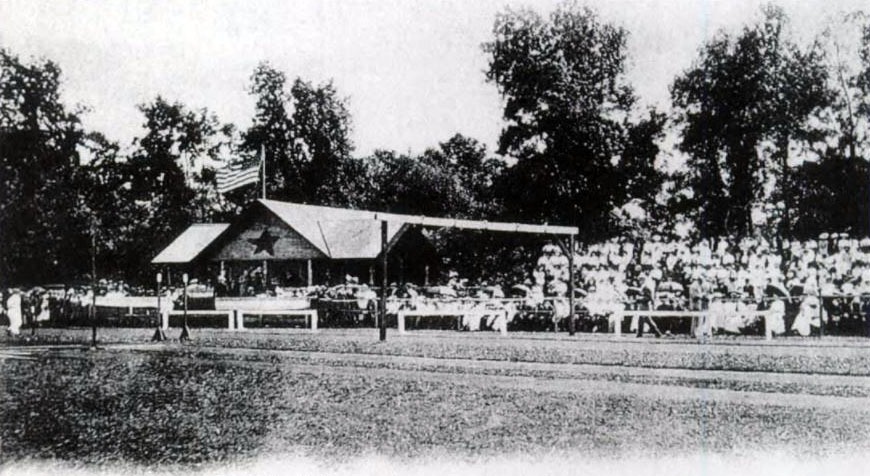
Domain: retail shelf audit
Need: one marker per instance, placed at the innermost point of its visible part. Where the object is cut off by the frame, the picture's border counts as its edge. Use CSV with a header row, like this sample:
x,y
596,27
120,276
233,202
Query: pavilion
x,y
276,232
301,245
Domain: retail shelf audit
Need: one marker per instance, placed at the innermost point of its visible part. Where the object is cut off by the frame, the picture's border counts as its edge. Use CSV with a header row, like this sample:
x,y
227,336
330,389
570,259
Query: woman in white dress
x,y
808,316
13,311
44,310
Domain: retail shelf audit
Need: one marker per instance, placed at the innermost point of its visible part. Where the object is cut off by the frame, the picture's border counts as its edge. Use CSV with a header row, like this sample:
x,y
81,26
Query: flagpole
x,y
263,163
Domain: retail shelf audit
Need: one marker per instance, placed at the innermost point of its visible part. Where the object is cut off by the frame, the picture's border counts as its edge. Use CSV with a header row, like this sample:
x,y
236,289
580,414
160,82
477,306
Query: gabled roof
x,y
329,213
190,243
349,239
338,233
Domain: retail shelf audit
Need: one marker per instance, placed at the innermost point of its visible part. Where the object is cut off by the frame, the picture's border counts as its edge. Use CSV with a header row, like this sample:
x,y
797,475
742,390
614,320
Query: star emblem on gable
x,y
265,242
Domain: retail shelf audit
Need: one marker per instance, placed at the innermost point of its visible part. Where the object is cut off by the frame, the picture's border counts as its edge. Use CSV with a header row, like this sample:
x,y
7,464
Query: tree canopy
x,y
304,132
39,161
746,91
567,109
763,122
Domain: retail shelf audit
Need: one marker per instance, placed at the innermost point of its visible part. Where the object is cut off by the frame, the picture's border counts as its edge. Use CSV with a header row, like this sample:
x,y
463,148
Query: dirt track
x,y
581,378
797,390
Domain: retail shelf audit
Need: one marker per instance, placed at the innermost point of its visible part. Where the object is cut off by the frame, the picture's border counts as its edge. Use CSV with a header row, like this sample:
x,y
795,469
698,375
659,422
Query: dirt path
x,y
567,370
577,378
562,378
581,386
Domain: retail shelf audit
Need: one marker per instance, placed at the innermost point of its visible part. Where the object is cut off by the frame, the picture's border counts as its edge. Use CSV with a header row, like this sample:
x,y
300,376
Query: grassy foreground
x,y
190,405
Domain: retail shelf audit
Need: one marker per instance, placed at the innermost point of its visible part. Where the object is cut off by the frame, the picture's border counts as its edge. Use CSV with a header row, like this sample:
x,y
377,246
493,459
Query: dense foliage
x,y
746,91
567,113
763,122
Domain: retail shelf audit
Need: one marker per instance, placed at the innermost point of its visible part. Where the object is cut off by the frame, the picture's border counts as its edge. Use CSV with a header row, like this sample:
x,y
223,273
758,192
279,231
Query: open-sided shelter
x,y
303,244
273,231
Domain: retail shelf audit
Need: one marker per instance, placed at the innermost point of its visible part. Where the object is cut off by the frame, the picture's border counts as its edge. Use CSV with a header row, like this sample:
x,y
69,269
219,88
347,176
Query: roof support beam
x,y
477,224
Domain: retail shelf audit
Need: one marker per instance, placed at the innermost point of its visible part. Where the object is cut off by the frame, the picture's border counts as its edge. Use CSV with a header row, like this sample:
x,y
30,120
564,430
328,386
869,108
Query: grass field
x,y
336,396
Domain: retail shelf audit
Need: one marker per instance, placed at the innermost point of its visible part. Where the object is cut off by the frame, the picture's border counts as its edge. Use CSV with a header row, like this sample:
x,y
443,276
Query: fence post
x,y
504,329
619,315
571,284
382,324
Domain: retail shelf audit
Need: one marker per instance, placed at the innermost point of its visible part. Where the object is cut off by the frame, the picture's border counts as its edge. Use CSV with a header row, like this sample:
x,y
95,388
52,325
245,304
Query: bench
x,y
309,314
227,314
618,316
402,313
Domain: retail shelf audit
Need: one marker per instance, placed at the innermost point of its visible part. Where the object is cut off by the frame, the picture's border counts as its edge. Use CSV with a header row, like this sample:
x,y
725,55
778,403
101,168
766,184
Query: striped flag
x,y
234,176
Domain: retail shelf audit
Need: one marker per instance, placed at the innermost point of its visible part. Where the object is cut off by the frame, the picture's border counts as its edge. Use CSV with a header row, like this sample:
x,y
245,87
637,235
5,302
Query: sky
x,y
412,71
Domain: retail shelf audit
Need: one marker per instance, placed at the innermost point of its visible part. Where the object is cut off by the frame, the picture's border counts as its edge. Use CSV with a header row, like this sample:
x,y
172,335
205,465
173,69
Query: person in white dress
x,y
44,311
13,311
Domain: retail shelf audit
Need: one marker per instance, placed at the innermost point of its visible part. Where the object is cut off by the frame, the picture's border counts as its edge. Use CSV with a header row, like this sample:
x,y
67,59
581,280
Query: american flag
x,y
234,176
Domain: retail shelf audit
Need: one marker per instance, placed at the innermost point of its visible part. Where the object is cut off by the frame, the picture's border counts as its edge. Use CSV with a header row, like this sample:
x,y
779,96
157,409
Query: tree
x,y
746,92
473,173
644,183
322,124
305,133
171,177
567,108
39,139
847,44
104,209
406,184
832,195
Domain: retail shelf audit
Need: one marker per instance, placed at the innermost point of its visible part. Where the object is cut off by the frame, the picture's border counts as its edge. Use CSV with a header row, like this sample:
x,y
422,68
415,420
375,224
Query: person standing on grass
x,y
13,311
4,295
646,303
42,309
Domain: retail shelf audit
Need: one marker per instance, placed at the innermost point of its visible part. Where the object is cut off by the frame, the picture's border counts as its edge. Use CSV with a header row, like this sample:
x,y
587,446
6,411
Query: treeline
x,y
772,132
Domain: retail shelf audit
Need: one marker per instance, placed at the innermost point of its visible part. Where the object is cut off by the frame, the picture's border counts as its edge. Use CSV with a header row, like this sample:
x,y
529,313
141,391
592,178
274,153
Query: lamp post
x,y
159,335
185,331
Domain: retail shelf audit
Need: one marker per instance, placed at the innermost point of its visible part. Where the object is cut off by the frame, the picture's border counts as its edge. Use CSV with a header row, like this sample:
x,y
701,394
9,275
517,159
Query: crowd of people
x,y
802,286
56,304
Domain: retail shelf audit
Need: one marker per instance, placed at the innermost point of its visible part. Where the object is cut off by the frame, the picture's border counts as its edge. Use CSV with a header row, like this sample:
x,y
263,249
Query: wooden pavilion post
x,y
571,284
382,322
310,279
265,276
